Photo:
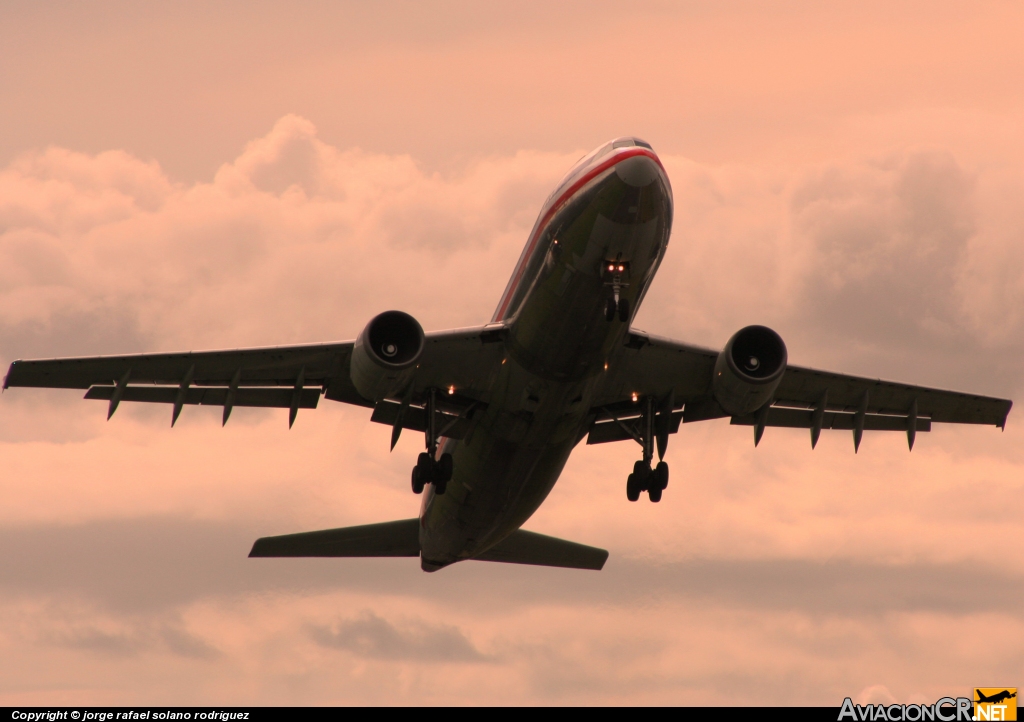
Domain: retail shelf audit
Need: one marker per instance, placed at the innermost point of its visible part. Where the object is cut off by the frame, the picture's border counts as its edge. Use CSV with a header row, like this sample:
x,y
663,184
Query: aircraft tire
x,y
642,474
417,485
661,474
440,487
632,488
444,468
609,309
655,494
623,310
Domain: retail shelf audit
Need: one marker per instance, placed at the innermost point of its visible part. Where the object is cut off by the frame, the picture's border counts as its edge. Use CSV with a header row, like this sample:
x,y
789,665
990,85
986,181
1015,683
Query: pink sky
x,y
188,177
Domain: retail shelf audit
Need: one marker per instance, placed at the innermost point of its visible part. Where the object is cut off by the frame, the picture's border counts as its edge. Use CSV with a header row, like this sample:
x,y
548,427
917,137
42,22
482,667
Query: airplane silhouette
x,y
996,698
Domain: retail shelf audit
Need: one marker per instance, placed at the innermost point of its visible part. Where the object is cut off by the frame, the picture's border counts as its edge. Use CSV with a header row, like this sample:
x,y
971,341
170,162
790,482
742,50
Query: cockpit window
x,y
580,165
629,142
589,158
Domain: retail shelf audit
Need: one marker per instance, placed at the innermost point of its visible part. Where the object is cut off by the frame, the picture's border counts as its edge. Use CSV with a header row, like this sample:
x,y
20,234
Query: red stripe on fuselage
x,y
617,157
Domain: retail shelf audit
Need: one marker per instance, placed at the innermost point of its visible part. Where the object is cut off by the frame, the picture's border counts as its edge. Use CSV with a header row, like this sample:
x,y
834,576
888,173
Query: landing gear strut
x,y
613,273
429,468
644,478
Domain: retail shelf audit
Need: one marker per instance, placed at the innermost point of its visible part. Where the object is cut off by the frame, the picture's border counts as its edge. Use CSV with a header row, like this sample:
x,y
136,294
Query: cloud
x,y
371,636
130,640
140,566
886,242
294,240
869,265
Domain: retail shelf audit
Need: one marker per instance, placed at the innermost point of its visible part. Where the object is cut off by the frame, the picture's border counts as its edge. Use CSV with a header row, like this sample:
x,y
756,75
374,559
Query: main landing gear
x,y
614,272
429,468
645,478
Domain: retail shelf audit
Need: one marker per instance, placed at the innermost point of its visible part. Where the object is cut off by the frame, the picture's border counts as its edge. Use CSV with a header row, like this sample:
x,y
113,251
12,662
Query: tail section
x,y
401,539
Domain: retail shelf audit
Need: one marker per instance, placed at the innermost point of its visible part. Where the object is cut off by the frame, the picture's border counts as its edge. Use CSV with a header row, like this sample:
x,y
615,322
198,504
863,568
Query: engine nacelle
x,y
385,355
748,370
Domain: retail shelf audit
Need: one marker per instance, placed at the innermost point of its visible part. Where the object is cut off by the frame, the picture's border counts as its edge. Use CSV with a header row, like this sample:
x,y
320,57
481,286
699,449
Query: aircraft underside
x,y
559,341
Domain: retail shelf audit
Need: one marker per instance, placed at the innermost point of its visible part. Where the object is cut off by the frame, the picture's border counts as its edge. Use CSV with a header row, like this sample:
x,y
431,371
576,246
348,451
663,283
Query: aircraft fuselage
x,y
607,223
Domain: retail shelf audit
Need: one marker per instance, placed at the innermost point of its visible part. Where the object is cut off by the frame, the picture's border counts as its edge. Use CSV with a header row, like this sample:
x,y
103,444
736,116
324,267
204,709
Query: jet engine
x,y
385,354
748,370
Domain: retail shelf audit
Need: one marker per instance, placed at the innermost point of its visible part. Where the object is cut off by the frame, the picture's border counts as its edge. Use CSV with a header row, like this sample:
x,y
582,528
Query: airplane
x,y
996,698
502,405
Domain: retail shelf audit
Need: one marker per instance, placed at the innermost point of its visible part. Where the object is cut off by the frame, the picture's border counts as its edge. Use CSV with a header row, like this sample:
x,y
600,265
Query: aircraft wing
x,y
290,377
679,377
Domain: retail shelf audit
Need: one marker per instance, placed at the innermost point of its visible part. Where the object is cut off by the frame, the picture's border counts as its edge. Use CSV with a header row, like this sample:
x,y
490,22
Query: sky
x,y
209,175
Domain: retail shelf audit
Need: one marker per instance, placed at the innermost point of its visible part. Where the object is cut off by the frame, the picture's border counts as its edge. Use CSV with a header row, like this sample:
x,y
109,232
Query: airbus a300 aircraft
x,y
503,405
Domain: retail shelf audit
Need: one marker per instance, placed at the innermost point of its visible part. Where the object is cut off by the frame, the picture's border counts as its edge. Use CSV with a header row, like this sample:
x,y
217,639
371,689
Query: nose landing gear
x,y
613,273
429,468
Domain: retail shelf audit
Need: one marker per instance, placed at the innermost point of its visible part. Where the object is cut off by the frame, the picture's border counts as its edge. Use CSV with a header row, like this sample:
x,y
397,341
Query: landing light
x,y
605,365
634,397
451,390
622,268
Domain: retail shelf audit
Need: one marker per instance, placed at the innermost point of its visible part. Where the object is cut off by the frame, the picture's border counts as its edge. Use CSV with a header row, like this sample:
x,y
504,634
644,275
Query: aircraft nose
x,y
638,171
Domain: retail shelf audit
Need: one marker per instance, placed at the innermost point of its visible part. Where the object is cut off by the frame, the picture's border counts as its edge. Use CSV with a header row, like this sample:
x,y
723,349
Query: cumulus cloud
x,y
872,266
293,241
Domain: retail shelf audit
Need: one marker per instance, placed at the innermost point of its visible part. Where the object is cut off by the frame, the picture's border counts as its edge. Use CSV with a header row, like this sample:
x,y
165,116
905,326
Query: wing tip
x,y
10,371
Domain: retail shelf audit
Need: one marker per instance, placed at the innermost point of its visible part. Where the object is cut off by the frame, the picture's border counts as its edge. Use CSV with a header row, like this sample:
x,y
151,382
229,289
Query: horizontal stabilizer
x,y
389,539
401,539
527,547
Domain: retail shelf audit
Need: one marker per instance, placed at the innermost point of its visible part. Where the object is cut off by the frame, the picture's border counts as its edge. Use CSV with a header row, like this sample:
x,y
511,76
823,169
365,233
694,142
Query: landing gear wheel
x,y
444,468
642,474
623,310
423,473
426,465
655,494
440,487
609,309
661,474
632,488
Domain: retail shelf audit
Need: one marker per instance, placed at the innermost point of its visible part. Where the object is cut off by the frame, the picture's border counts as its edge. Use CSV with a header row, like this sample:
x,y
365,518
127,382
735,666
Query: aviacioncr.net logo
x,y
946,709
